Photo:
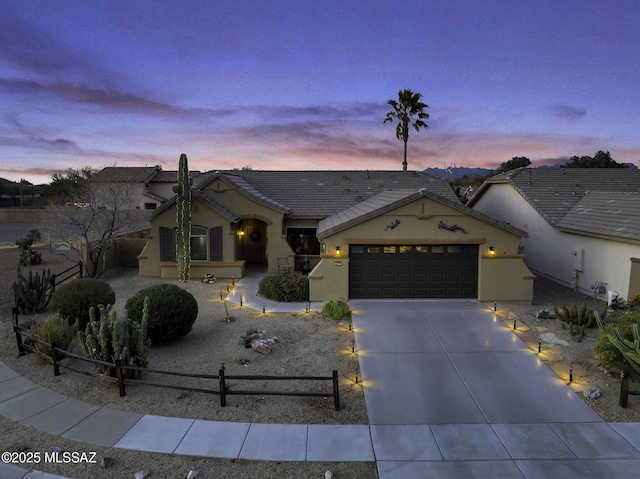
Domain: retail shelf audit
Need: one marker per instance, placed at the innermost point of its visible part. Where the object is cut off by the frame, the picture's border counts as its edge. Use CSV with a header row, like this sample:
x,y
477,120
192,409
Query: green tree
x,y
71,187
512,164
407,111
602,159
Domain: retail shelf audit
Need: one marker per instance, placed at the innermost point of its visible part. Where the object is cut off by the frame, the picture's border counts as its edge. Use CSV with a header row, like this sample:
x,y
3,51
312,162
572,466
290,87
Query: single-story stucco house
x,y
365,234
583,224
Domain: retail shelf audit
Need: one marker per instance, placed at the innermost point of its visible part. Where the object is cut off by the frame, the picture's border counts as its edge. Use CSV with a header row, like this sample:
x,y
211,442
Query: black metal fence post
x,y
223,398
336,392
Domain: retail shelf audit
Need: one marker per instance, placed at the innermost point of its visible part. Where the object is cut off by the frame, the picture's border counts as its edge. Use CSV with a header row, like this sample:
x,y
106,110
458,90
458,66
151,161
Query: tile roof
x,y
606,213
170,176
559,195
322,193
137,174
133,174
392,199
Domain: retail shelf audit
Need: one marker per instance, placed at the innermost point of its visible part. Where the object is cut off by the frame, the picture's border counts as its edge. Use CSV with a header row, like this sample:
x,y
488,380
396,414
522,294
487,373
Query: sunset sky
x,y
297,84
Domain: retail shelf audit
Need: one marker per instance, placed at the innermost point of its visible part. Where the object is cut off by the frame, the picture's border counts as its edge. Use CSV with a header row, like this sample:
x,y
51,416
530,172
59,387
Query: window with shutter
x,y
167,244
215,243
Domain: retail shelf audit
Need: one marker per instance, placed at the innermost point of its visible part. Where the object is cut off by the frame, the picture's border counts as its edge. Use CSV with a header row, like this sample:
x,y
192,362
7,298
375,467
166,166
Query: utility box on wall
x,y
578,259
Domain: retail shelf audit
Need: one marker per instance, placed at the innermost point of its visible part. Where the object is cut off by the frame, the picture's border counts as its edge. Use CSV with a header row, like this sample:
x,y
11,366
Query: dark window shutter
x,y
215,243
167,244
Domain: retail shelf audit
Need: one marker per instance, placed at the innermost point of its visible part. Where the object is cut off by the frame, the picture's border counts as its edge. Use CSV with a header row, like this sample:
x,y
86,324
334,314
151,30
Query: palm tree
x,y
405,110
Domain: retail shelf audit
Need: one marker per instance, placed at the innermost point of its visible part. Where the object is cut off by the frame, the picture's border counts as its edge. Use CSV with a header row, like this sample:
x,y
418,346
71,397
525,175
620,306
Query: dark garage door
x,y
423,271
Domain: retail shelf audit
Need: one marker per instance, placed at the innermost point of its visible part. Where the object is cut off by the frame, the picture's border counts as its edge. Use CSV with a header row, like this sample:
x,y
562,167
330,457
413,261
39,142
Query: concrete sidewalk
x,y
450,392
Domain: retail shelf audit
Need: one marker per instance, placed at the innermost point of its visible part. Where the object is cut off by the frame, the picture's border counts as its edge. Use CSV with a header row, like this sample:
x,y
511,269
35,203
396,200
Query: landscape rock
x,y
262,349
592,393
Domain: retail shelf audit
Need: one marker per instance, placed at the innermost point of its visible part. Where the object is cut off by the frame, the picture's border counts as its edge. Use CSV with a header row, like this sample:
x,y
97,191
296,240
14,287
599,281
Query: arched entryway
x,y
252,241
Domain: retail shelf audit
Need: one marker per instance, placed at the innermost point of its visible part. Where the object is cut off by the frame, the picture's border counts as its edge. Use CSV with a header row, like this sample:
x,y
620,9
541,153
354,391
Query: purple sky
x,y
303,85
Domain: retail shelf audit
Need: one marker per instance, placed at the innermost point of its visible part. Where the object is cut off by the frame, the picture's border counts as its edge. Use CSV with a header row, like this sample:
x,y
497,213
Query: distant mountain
x,y
456,172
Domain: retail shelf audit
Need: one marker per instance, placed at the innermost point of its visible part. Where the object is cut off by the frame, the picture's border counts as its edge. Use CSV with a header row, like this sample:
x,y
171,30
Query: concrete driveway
x,y
452,392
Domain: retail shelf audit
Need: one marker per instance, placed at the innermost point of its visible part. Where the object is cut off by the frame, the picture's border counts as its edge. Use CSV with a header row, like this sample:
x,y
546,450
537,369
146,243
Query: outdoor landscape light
x,y
495,306
570,374
514,323
357,371
539,345
264,311
353,345
241,301
220,294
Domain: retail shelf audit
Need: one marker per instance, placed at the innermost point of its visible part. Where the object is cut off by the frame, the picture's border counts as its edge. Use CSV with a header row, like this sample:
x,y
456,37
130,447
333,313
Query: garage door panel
x,y
428,271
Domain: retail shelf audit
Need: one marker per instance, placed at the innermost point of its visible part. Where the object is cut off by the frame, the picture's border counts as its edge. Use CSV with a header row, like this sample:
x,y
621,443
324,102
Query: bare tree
x,y
88,228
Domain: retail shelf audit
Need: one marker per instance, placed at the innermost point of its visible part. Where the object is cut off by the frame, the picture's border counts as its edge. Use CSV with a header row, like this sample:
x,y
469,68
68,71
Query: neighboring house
x,y
147,186
583,224
366,234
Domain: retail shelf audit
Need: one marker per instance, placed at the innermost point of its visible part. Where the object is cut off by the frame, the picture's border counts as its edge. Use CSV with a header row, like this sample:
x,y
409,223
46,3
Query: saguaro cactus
x,y
183,219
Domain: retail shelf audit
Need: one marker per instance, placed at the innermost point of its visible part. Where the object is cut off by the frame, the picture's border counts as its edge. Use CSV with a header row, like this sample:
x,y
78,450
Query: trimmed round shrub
x,y
73,299
336,308
286,287
172,311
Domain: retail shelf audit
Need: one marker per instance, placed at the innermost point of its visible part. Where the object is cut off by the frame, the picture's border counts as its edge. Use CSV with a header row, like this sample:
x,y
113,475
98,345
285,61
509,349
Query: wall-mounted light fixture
x,y
337,250
491,251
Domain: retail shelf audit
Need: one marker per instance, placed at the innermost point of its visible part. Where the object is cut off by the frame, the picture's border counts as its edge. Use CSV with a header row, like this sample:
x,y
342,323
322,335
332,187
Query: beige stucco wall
x,y
506,278
202,215
573,260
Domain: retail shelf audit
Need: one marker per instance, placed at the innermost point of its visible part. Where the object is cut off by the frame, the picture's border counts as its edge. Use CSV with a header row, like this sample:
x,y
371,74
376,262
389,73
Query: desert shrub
x,y
73,299
55,329
286,287
606,352
29,256
172,311
336,308
31,237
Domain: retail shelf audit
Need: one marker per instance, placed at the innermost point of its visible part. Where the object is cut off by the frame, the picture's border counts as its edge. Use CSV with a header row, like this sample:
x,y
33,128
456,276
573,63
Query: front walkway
x,y
450,392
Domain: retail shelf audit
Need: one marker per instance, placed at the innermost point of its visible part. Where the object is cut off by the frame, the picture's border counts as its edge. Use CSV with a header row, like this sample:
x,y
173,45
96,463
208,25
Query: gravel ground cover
x,y
308,344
